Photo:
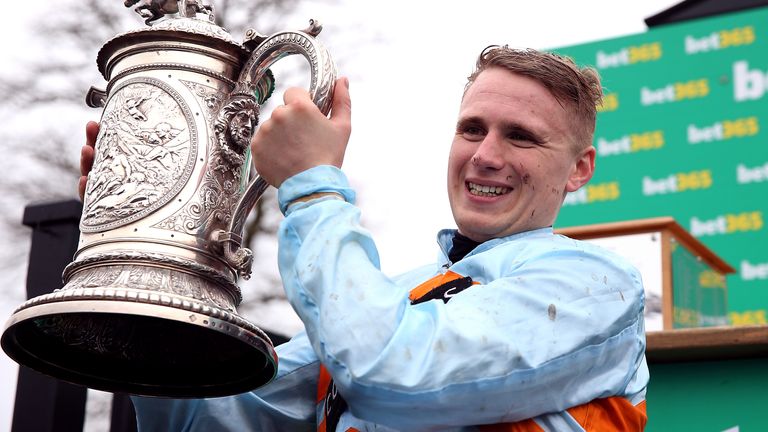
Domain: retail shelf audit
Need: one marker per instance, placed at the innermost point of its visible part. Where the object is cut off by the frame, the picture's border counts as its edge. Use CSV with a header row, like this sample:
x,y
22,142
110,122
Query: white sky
x,y
405,93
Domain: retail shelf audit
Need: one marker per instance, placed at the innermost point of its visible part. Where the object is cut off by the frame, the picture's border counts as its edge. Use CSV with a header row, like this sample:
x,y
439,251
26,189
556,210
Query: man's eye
x,y
517,136
472,132
522,139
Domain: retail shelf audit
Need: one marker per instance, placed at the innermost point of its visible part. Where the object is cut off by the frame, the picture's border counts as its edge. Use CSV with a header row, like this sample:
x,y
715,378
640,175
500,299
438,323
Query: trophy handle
x,y
256,78
96,98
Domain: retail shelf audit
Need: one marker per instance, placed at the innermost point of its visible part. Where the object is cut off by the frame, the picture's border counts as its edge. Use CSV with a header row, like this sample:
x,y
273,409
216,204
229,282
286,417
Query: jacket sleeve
x,y
561,328
287,403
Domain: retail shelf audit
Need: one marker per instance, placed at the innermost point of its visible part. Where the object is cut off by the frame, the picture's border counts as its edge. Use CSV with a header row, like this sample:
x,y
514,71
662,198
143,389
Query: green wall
x,y
711,396
684,133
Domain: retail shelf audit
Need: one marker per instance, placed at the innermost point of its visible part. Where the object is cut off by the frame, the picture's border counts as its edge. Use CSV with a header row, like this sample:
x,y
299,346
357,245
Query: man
x,y
514,328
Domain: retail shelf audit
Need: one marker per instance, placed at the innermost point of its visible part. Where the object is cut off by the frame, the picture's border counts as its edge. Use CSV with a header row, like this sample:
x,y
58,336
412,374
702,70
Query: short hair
x,y
577,89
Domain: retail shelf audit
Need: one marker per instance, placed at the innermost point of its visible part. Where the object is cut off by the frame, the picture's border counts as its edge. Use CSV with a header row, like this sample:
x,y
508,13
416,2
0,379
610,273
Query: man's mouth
x,y
487,191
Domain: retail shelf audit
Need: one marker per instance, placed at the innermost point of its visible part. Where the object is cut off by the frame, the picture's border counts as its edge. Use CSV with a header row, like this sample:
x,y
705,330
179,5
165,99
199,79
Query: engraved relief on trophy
x,y
144,154
161,280
234,127
220,187
211,98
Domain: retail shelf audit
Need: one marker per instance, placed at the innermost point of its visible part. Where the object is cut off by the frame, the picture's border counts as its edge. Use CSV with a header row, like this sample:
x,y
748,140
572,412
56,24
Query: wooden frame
x,y
707,344
670,231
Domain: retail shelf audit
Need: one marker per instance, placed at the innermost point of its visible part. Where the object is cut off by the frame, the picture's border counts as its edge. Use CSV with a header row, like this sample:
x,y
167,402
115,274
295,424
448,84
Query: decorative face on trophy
x,y
149,302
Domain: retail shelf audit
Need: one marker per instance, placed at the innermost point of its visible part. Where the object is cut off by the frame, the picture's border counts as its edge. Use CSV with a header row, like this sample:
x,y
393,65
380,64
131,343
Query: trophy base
x,y
140,342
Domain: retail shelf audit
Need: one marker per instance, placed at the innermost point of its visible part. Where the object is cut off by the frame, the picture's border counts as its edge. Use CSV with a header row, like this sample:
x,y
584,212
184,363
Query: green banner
x,y
682,133
708,396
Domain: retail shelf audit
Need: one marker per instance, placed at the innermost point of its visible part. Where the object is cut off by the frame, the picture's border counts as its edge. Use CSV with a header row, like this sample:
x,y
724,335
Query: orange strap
x,y
332,405
614,414
425,287
322,384
610,414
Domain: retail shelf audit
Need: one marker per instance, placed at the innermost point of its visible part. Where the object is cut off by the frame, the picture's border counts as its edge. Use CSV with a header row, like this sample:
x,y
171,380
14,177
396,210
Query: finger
x,y
87,154
81,187
341,108
91,132
295,95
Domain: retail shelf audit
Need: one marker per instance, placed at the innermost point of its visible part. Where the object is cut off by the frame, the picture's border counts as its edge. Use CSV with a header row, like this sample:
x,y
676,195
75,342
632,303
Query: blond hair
x,y
577,89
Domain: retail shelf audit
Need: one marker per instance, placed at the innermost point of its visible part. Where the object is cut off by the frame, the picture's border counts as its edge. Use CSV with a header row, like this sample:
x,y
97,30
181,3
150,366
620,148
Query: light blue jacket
x,y
550,323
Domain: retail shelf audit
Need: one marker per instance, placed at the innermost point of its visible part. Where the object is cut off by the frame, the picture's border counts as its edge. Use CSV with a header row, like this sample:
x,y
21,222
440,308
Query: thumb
x,y
341,108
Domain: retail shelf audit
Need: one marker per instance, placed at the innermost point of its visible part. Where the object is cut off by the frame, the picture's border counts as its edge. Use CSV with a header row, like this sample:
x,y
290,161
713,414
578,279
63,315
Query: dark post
x,y
123,415
43,403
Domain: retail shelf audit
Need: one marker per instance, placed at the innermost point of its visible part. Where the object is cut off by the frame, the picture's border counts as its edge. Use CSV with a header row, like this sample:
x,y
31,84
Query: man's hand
x,y
298,136
87,154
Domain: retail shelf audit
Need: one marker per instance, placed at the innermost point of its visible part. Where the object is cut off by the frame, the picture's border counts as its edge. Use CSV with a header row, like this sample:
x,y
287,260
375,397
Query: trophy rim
x,y
19,341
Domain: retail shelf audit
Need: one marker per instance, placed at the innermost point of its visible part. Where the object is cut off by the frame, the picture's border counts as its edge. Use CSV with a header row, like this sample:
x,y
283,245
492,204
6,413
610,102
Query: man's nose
x,y
488,154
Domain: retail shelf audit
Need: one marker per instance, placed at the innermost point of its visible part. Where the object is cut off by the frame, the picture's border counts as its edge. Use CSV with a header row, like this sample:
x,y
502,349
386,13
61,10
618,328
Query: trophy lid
x,y
175,21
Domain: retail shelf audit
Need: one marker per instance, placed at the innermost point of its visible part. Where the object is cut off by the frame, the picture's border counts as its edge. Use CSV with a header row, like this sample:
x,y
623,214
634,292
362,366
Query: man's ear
x,y
583,169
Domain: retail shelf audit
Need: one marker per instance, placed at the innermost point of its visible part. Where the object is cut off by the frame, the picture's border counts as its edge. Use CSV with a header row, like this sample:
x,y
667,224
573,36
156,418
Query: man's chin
x,y
477,231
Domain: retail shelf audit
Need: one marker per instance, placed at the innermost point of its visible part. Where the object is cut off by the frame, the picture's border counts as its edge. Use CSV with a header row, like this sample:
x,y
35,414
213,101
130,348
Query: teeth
x,y
485,190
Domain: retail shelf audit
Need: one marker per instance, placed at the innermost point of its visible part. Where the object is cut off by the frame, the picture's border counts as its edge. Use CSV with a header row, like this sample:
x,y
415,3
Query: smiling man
x,y
513,328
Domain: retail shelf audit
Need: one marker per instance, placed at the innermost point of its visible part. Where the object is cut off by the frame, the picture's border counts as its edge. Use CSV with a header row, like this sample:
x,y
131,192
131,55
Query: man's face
x,y
242,127
513,158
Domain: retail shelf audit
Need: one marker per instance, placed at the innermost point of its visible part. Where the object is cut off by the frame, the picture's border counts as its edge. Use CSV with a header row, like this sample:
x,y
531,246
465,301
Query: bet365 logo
x,y
748,83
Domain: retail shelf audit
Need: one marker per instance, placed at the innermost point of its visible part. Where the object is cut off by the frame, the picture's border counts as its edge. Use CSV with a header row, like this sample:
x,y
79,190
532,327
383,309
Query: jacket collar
x,y
445,241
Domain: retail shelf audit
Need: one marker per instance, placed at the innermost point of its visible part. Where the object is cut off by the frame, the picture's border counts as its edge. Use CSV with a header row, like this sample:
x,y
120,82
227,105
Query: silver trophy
x,y
149,302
